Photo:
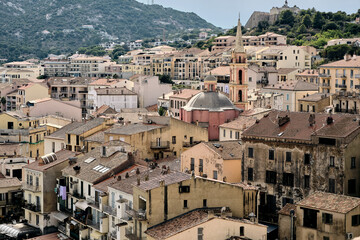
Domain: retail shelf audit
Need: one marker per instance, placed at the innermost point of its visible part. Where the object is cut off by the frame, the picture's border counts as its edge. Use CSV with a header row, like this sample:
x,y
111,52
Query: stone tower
x,y
238,73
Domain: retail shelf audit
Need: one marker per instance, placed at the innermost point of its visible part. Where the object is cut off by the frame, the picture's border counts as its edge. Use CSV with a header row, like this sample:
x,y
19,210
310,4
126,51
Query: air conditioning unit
x,y
349,235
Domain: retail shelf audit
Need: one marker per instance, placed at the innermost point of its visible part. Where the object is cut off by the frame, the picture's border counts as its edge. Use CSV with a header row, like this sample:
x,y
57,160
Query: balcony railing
x,y
340,76
132,236
160,145
190,144
140,214
357,75
109,210
31,188
340,86
93,224
62,229
92,202
113,234
324,75
325,84
33,207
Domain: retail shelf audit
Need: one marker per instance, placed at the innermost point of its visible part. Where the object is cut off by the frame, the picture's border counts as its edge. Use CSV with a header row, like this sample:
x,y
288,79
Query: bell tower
x,y
238,73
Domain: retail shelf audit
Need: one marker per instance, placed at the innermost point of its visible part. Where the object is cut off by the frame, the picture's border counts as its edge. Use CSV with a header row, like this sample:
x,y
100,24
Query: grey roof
x,y
96,137
169,178
133,128
61,133
315,97
115,163
211,101
210,78
84,127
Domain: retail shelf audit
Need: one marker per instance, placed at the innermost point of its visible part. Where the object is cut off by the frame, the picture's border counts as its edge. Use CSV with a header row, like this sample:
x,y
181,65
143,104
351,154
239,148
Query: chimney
x,y
329,120
211,214
138,181
137,171
119,178
127,175
162,183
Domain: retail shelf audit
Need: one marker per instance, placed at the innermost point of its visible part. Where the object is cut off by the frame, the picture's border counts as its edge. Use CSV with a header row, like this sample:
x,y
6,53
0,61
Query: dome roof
x,y
210,78
211,101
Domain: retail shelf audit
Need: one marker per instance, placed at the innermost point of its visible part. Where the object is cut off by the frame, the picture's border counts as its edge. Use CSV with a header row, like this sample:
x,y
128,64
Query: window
x,y
31,180
326,238
184,189
224,133
7,172
287,97
192,164
230,134
215,176
351,186
306,181
89,190
242,231
271,177
307,158
288,179
327,218
288,156
355,220
250,174
237,135
185,204
30,139
37,181
173,140
353,162
37,220
53,147
250,79
332,161
331,185
200,234
250,152
286,200
201,169
310,218
204,203
271,154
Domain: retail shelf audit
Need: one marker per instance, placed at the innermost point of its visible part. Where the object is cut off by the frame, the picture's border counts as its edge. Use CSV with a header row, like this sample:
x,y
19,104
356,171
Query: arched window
x,y
240,76
240,96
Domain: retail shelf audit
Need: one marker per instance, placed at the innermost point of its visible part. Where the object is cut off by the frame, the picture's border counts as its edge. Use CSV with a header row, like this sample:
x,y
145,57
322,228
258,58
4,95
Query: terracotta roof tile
x,y
287,208
185,93
228,150
330,202
10,182
354,62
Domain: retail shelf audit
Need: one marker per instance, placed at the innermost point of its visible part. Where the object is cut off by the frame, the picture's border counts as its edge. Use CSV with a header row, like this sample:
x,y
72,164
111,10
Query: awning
x,y
73,222
83,205
59,216
95,234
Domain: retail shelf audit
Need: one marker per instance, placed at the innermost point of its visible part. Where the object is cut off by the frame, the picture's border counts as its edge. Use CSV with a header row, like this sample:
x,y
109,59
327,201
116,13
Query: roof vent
x,y
77,169
217,145
329,120
283,120
127,175
312,119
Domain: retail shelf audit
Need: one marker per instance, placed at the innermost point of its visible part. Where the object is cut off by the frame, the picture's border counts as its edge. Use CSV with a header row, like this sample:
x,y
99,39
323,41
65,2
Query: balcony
x,y
83,91
62,229
342,86
139,215
33,207
357,86
324,75
132,236
340,76
190,144
109,210
93,224
325,84
77,195
160,145
113,234
93,203
31,188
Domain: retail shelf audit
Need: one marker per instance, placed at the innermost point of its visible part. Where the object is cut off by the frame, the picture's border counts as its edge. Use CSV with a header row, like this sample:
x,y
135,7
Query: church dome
x,y
210,78
211,101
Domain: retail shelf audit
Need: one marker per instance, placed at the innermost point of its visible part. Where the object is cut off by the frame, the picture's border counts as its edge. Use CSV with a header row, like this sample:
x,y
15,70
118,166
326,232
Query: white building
x,y
117,98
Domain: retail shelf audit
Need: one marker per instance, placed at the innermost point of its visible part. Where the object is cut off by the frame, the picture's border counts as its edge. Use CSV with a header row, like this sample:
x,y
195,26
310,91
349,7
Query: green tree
x,y
165,79
263,25
307,21
3,101
161,111
336,52
318,21
301,29
287,17
330,26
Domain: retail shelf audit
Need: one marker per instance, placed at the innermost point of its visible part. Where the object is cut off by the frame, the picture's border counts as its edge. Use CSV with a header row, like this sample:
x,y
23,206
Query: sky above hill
x,y
224,13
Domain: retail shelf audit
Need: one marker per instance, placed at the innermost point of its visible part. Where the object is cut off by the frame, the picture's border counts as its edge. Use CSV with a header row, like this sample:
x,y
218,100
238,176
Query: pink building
x,y
209,109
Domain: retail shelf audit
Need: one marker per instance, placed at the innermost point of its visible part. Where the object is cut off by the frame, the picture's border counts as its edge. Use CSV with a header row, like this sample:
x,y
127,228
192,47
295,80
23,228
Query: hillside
x,y
58,26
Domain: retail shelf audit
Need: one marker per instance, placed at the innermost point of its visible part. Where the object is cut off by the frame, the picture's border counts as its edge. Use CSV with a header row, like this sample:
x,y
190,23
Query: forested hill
x,y
43,26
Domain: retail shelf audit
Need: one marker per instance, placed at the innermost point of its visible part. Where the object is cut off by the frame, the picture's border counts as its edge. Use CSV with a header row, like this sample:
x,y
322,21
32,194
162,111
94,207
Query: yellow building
x,y
39,182
173,193
24,130
9,200
315,103
216,160
207,224
328,216
343,75
75,138
158,137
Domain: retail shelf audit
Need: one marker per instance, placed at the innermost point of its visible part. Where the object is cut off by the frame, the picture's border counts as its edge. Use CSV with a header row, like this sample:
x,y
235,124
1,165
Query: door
x,y
81,188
